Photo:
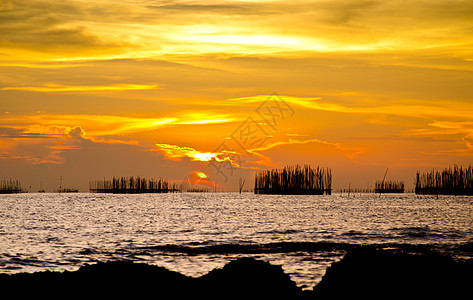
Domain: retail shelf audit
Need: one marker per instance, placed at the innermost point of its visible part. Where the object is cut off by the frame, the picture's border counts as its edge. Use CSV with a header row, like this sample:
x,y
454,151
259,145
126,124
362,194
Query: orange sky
x,y
93,89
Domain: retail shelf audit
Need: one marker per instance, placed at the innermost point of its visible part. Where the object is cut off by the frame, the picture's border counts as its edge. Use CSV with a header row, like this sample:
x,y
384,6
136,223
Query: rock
x,y
367,273
249,278
364,273
127,280
118,279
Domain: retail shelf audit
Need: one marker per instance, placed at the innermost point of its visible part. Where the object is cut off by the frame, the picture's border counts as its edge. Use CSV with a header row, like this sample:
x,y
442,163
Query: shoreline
x,y
365,271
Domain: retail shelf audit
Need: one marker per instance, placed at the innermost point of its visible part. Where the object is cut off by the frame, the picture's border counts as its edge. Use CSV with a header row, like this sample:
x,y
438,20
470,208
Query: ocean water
x,y
193,233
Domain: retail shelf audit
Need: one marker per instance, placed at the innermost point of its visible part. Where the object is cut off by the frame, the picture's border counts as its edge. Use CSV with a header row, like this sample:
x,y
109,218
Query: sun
x,y
201,175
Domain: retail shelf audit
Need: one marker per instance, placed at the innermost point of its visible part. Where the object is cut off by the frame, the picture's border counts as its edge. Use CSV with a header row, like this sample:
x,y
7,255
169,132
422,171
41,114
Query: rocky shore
x,y
364,273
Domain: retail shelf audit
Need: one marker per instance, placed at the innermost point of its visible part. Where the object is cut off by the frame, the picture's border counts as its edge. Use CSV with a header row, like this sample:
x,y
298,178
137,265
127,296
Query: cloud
x,y
144,28
327,26
62,88
98,126
464,129
348,151
52,158
43,65
14,133
42,144
209,8
51,27
293,141
443,128
79,159
174,152
41,132
413,109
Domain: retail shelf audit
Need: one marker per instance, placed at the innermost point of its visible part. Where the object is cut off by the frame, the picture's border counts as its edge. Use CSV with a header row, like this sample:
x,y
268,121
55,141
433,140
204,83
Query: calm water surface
x,y
64,231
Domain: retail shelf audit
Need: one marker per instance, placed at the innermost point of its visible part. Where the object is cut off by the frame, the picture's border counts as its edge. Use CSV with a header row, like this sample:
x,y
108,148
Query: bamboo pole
x,y
451,181
294,180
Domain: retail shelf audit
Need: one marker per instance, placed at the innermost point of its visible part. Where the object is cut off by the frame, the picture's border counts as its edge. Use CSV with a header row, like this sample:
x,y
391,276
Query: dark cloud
x,y
74,135
46,26
201,7
14,133
249,9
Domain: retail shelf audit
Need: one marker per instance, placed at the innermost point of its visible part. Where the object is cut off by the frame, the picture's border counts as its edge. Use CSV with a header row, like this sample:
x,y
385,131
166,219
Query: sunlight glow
x,y
204,156
262,40
174,152
201,175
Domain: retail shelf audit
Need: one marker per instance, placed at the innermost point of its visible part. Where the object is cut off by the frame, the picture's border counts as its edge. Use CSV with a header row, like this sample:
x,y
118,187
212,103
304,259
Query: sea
x,y
194,233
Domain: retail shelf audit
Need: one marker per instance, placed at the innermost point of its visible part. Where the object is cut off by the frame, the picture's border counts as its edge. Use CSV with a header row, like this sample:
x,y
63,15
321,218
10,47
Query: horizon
x,y
214,91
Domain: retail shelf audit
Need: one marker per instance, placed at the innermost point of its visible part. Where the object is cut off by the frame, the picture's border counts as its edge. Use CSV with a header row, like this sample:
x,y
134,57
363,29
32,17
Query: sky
x,y
210,92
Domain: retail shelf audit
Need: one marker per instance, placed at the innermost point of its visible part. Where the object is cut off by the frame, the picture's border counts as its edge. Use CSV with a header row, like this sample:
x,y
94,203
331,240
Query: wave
x,y
366,236
288,231
290,247
206,251
425,232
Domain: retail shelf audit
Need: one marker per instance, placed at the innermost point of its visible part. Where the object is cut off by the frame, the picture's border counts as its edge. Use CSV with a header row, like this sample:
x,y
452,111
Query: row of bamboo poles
x,y
10,186
389,186
295,180
131,185
452,181
289,180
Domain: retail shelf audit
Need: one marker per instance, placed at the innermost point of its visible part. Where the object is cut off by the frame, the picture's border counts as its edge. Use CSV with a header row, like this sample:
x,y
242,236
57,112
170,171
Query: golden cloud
x,y
61,88
144,29
107,125
174,152
439,108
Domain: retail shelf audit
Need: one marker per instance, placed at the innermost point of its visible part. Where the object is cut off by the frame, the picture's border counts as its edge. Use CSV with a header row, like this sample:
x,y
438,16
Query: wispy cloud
x,y
49,65
61,88
350,152
108,125
413,109
52,158
145,28
464,129
444,128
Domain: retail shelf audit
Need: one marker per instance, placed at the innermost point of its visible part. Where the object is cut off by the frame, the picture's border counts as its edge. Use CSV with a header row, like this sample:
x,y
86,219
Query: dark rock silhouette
x,y
245,277
118,279
364,273
368,273
248,278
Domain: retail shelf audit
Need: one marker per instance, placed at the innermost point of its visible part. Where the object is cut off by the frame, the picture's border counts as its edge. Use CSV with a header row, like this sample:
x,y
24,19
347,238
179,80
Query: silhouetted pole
x,y
242,183
382,182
